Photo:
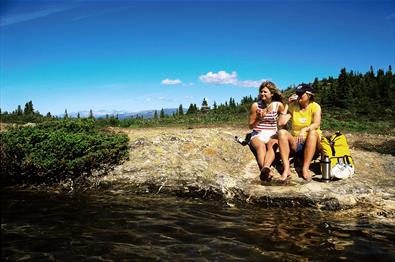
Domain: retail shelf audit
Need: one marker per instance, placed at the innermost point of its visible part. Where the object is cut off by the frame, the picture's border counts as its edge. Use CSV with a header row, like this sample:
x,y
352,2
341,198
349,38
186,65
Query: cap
x,y
304,88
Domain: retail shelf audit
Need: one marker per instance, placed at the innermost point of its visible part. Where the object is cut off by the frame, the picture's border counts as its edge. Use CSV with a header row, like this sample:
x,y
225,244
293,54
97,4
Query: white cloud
x,y
221,77
224,78
171,82
250,83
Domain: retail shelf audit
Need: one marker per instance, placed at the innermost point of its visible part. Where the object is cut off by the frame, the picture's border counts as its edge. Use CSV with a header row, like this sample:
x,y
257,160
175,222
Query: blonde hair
x,y
277,96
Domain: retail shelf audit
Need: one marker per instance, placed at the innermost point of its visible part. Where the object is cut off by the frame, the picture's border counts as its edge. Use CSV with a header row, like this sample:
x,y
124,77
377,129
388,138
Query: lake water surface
x,y
120,226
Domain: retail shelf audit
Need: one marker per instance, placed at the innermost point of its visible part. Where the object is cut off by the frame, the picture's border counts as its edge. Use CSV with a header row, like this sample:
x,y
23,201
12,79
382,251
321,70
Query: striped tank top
x,y
269,121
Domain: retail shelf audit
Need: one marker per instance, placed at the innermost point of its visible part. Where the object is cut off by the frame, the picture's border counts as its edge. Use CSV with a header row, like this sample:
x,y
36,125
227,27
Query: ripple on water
x,y
102,226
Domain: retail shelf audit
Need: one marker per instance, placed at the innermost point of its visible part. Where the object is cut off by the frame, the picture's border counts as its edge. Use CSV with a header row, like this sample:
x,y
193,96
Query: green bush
x,y
58,150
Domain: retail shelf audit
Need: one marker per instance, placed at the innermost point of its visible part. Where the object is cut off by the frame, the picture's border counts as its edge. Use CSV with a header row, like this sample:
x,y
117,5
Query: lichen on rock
x,y
208,162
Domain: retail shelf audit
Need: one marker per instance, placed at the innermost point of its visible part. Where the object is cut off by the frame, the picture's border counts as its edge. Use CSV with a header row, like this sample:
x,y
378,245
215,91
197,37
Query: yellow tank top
x,y
301,119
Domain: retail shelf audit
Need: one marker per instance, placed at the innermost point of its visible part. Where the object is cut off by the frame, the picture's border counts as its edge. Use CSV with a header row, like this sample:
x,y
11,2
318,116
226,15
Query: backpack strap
x,y
332,145
332,141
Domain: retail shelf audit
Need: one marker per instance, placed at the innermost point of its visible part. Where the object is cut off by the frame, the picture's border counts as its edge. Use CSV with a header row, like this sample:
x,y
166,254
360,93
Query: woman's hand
x,y
260,112
300,139
292,98
302,135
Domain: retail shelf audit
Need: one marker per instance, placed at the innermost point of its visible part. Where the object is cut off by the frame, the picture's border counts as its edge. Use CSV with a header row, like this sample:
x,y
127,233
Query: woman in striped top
x,y
263,119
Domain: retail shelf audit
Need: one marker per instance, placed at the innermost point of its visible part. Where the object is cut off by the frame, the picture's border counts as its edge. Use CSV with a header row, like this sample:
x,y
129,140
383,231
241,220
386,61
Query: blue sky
x,y
140,55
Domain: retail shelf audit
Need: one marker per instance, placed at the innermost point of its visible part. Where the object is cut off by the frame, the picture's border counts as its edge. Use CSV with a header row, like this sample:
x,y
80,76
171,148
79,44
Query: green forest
x,y
351,101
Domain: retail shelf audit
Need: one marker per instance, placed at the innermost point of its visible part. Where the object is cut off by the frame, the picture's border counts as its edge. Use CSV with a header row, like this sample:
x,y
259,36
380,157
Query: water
x,y
120,226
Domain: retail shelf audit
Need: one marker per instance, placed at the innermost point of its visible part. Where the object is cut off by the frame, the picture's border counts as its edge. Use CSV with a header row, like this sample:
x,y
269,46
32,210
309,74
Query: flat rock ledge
x,y
208,163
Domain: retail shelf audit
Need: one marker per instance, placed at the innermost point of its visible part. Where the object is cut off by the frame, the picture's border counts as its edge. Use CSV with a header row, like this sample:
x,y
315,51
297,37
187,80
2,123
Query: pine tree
x,y
90,114
19,111
162,113
180,110
191,110
65,114
156,115
29,110
205,106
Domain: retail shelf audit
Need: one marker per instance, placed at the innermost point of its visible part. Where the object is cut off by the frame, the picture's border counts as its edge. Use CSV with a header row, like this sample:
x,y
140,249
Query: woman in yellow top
x,y
305,133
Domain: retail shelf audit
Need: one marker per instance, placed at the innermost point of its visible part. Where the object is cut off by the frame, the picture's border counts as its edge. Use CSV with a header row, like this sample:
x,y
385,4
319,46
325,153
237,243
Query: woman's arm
x,y
252,118
315,124
284,116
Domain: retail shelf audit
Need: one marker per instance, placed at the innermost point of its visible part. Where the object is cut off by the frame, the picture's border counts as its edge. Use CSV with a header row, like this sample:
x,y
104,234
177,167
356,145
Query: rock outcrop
x,y
207,162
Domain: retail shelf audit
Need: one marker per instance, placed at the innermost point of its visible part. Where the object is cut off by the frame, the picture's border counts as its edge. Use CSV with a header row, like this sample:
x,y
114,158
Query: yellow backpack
x,y
336,148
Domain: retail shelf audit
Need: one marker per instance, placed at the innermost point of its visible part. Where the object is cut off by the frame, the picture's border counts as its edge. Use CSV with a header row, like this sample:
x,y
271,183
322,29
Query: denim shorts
x,y
299,150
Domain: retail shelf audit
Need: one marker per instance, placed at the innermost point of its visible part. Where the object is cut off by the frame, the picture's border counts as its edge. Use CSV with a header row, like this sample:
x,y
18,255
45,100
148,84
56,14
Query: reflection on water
x,y
117,226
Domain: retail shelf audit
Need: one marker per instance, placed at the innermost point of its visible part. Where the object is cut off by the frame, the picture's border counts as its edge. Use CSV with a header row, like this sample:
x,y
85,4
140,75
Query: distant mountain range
x,y
121,114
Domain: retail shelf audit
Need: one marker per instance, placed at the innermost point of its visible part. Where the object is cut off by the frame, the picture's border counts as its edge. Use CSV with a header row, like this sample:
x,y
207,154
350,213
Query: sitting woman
x,y
305,132
263,121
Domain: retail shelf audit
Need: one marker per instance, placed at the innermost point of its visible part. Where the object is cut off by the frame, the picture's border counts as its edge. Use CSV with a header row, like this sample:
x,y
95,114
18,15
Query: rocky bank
x,y
207,162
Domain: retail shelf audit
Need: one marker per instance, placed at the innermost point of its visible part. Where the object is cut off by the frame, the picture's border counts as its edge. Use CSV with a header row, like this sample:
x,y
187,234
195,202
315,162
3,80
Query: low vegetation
x,y
56,151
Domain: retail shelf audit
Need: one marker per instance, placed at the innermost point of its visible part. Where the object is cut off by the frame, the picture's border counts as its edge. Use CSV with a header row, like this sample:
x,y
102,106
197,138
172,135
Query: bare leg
x,y
260,148
285,139
309,151
270,155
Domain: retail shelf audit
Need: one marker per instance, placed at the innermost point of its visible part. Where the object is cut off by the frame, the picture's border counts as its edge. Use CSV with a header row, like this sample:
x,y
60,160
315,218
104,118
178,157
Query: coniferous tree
x,y
180,110
162,113
205,106
29,110
19,111
191,110
156,115
90,114
66,115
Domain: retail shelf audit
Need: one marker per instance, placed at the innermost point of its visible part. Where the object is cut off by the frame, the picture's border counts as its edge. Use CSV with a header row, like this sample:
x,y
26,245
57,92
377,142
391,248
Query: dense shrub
x,y
58,150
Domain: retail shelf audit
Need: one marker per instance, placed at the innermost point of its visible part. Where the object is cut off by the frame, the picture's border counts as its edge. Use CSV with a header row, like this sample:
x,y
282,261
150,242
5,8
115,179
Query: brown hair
x,y
277,96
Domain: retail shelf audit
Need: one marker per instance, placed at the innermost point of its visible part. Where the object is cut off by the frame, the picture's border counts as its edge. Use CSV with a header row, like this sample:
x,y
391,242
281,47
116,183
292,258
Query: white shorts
x,y
263,135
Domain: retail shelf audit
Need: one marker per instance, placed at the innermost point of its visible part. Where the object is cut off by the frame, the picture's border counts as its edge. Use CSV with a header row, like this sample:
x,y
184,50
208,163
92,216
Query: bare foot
x,y
266,174
285,175
306,174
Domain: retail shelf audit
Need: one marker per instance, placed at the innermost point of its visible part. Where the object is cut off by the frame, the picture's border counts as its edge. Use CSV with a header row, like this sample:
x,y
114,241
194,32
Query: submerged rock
x,y
207,162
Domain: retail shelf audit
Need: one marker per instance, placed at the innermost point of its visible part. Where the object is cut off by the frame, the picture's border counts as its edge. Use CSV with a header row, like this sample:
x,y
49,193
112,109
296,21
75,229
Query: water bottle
x,y
240,140
326,169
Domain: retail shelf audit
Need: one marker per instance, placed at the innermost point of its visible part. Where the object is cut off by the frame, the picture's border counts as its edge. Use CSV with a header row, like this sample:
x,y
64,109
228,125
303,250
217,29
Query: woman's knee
x,y
313,135
282,134
272,142
257,144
